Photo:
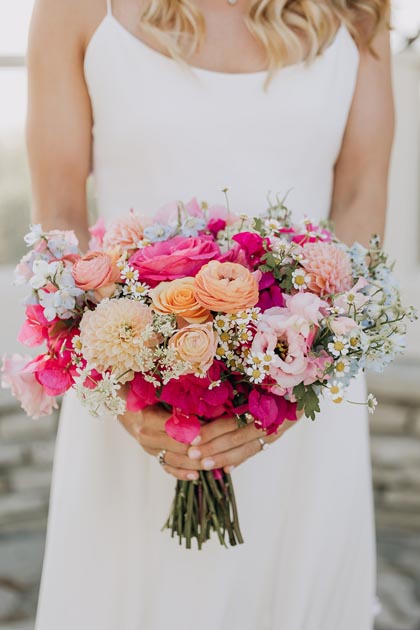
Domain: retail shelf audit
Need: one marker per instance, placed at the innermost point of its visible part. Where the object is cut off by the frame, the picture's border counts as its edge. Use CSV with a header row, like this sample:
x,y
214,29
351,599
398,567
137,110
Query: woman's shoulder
x,y
64,23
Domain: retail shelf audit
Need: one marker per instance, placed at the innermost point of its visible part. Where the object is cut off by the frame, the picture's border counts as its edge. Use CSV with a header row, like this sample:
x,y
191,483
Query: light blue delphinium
x,y
157,232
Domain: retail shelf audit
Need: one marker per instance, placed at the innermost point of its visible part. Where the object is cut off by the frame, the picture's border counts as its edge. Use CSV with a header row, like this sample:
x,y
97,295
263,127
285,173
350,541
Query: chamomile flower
x,y
129,274
341,368
371,403
300,279
339,346
256,374
335,390
77,344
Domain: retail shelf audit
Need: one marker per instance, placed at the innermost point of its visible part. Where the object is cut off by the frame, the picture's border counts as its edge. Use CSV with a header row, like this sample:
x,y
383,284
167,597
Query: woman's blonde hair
x,y
288,30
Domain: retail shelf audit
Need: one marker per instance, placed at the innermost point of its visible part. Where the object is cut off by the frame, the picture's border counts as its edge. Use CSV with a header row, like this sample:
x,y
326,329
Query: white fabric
x,y
161,133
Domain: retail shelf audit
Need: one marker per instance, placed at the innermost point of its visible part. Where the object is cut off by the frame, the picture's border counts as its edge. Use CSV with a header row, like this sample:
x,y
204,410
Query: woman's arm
x,y
59,118
361,173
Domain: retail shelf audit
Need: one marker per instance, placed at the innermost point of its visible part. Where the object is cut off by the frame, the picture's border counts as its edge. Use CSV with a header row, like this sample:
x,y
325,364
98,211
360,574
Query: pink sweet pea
x,y
177,257
55,375
25,387
141,394
97,233
182,427
34,330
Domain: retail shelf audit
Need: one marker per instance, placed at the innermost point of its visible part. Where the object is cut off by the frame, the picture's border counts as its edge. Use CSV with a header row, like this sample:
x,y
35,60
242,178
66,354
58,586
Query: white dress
x,y
161,133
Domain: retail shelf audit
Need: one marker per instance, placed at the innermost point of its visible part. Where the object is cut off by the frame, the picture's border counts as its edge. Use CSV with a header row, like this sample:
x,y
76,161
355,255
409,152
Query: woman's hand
x,y
221,444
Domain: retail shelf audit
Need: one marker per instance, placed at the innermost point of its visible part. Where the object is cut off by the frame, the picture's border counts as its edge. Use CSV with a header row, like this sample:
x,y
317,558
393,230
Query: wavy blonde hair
x,y
288,30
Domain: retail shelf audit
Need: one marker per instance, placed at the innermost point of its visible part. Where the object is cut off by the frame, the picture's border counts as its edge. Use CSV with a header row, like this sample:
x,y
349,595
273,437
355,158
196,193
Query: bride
x,y
163,99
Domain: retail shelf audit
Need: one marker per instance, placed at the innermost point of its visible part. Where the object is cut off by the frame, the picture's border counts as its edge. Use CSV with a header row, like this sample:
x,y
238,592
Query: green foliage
x,y
307,400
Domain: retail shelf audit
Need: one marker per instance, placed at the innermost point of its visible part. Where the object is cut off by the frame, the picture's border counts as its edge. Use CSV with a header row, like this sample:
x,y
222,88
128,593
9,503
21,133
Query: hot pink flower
x,y
270,293
253,246
25,387
176,258
55,375
192,395
270,411
182,427
141,394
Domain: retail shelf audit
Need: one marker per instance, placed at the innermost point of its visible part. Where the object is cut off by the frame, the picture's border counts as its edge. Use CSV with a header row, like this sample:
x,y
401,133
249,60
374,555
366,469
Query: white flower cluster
x,y
235,332
133,288
104,398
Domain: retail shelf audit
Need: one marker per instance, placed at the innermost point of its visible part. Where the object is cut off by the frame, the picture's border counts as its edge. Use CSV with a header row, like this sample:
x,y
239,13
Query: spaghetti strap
x,y
109,7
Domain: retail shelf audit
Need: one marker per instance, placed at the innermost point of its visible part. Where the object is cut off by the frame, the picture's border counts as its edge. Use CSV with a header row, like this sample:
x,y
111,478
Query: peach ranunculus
x,y
329,268
98,272
124,232
226,287
196,344
178,297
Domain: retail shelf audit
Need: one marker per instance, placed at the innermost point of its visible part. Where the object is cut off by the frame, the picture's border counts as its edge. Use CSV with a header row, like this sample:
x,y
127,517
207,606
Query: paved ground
x,y
21,551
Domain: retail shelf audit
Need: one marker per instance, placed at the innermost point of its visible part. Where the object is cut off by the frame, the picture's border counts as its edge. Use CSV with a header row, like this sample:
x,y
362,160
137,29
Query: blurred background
x,y
26,446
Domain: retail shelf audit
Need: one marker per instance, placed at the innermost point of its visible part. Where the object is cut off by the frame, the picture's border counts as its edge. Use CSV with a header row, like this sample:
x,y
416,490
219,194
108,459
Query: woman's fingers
x,y
179,473
215,428
232,458
224,442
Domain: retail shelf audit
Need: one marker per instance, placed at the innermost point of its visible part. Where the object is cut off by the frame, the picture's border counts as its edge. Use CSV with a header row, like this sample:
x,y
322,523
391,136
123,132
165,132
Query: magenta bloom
x,y
55,375
141,394
216,225
176,258
192,395
182,427
270,411
270,292
253,246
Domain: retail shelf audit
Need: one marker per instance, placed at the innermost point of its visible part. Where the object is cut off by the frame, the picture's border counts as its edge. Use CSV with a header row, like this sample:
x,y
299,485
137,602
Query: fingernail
x,y
209,463
229,469
194,453
192,476
196,440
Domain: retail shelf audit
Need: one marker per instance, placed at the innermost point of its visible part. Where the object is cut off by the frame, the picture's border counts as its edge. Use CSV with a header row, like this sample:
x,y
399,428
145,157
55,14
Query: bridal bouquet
x,y
210,314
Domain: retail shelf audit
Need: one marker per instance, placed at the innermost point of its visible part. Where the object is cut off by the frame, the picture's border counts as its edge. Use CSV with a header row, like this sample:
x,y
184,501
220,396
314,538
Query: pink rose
x,y
176,258
25,387
96,271
196,344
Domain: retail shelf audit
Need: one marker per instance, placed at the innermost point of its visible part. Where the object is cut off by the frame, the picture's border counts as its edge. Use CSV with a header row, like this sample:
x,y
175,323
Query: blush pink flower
x,y
343,325
329,268
97,271
34,330
124,232
175,258
97,233
25,387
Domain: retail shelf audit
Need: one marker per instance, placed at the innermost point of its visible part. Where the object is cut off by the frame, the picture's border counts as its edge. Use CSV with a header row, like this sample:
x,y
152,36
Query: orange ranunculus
x,y
178,297
226,287
196,344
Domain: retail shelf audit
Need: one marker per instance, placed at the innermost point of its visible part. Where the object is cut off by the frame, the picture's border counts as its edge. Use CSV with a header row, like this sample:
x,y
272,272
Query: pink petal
x,y
182,428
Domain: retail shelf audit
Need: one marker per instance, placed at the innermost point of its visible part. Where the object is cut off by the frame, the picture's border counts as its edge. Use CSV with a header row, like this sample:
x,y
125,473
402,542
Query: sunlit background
x,y
26,446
